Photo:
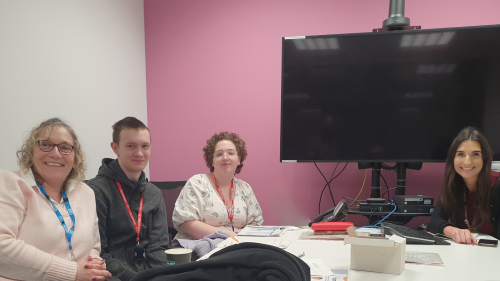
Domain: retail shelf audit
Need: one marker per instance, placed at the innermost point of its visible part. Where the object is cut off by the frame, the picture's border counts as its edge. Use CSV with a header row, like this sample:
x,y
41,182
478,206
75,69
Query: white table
x,y
461,262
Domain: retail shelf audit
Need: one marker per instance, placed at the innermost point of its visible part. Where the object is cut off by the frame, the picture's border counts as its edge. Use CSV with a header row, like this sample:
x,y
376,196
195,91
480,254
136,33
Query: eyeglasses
x,y
229,153
48,146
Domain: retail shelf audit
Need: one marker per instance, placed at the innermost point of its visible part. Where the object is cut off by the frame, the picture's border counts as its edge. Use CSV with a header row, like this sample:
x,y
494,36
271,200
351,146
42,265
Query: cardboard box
x,y
377,254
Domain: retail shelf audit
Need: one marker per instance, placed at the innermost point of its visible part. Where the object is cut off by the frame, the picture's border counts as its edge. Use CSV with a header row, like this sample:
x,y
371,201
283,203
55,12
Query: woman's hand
x,y
459,235
92,269
251,224
197,229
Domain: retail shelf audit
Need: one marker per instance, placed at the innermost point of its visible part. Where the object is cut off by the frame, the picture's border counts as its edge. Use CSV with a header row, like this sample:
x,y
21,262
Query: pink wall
x,y
215,66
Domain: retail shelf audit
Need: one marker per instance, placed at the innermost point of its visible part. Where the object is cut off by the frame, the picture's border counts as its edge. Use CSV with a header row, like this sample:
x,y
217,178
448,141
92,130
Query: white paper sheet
x,y
319,269
262,231
423,258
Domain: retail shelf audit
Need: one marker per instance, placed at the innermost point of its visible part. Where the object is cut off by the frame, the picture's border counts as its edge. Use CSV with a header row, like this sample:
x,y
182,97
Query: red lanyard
x,y
139,215
230,212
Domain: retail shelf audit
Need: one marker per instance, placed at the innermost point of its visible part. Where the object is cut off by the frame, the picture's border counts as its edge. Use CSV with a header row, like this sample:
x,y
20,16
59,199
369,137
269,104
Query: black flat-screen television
x,y
396,96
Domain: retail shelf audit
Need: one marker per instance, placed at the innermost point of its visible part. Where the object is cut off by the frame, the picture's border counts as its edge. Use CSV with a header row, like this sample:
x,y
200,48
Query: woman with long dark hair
x,y
467,202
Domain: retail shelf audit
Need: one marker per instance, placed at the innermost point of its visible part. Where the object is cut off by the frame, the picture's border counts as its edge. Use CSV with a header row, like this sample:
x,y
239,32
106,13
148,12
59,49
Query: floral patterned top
x,y
199,201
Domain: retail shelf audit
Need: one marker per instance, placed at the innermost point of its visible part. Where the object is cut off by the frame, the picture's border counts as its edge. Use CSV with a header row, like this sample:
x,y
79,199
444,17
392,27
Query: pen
x,y
235,239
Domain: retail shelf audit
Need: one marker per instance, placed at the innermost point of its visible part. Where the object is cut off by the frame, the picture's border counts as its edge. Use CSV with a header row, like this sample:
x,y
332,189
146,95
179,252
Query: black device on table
x,y
412,236
375,205
334,214
487,242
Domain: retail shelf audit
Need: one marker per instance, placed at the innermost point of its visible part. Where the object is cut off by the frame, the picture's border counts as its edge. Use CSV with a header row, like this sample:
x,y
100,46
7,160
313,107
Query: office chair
x,y
170,191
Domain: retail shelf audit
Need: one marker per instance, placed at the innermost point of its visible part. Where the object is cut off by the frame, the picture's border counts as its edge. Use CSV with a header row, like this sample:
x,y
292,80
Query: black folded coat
x,y
244,261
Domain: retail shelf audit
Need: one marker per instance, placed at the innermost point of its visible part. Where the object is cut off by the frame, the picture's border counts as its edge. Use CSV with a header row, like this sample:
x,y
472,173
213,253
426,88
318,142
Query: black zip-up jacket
x,y
239,262
118,236
440,219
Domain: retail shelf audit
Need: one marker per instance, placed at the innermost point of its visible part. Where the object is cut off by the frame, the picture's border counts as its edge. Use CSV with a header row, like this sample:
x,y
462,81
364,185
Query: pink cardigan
x,y
33,244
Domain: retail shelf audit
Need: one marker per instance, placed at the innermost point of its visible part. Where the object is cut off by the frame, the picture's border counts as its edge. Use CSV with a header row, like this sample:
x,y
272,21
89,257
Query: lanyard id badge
x,y
466,221
69,234
230,211
138,249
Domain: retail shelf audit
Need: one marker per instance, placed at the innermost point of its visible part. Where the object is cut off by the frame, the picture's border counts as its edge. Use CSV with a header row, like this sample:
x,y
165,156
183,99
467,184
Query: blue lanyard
x,y
69,234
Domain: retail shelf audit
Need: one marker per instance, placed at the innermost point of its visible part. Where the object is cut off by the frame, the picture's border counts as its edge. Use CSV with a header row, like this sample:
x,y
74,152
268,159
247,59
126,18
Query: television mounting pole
x,y
401,169
396,19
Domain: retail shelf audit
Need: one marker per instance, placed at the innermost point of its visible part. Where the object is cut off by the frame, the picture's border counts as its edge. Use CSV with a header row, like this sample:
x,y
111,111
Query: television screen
x,y
397,96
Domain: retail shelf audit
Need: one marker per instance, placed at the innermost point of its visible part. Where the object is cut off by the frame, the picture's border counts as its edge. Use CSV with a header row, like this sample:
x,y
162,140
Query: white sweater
x,y
33,243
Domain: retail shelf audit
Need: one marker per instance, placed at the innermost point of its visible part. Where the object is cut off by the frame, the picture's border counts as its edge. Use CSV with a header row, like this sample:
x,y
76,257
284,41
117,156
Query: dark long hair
x,y
454,188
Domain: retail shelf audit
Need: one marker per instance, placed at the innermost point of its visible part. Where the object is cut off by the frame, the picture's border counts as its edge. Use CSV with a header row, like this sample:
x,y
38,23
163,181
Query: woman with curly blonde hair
x,y
217,200
48,223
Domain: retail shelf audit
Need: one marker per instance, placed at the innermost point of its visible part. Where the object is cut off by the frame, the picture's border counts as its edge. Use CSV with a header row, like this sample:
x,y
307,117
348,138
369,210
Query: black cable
x,y
321,195
387,167
327,182
329,187
390,168
340,171
371,214
386,186
388,191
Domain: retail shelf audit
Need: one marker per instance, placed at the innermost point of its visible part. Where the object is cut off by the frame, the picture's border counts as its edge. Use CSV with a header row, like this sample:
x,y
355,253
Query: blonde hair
x,y
25,154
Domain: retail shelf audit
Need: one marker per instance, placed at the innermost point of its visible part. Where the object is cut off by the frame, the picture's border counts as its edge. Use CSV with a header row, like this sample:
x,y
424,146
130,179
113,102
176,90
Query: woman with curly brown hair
x,y
217,200
469,199
48,223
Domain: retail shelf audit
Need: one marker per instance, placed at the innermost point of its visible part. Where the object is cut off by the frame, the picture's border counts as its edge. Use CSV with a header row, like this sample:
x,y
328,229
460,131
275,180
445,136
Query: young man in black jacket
x,y
131,241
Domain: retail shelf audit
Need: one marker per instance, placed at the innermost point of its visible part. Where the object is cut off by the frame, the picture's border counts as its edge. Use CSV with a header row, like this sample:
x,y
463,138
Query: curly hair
x,y
25,153
209,149
452,194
